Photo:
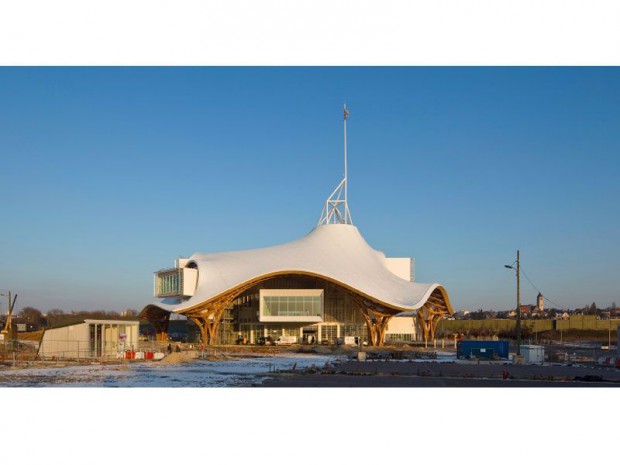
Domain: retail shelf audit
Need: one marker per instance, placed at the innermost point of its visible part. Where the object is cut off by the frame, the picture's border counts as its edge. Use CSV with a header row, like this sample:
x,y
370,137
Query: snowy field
x,y
201,373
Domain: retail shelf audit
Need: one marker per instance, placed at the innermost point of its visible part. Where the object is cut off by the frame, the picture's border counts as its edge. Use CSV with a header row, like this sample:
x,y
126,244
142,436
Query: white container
x,y
533,354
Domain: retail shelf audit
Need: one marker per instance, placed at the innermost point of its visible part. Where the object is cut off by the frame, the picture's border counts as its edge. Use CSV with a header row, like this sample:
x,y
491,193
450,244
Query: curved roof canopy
x,y
336,252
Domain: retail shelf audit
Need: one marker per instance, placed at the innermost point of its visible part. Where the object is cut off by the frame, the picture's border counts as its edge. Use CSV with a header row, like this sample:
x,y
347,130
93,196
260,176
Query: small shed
x,y
90,339
533,353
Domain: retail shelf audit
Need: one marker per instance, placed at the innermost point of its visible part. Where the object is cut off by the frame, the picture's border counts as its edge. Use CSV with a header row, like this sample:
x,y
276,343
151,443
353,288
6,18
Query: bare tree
x,y
33,317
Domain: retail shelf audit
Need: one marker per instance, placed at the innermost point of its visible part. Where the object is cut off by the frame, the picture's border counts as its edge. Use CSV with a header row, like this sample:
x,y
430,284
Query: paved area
x,y
448,374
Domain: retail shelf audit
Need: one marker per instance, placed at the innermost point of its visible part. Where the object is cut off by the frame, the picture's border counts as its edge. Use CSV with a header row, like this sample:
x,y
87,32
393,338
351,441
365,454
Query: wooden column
x,y
160,319
376,320
201,326
377,323
208,320
161,327
428,319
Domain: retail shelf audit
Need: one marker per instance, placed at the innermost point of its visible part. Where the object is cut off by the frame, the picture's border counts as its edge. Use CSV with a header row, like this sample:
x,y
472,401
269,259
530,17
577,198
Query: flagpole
x,y
346,180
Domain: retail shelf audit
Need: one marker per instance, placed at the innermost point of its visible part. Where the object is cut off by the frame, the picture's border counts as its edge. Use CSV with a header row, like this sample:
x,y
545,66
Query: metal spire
x,y
346,115
336,210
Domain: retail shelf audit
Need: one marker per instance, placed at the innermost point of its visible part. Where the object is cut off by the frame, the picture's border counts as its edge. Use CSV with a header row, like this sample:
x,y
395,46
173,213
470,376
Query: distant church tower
x,y
540,302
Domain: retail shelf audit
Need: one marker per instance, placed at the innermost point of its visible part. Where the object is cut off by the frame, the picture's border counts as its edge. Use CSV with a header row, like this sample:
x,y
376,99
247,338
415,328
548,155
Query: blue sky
x,y
111,173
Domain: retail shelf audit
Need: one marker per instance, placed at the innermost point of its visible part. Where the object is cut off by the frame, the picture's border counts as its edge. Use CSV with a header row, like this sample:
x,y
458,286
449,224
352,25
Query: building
x,y
325,286
532,353
89,339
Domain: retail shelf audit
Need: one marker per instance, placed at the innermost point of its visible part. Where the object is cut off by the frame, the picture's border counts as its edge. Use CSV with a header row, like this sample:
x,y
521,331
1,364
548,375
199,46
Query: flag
x,y
346,113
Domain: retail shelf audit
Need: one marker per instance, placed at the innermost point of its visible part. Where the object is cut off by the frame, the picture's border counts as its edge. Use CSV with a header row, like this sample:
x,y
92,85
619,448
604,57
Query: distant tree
x,y
593,309
33,317
613,306
54,315
91,314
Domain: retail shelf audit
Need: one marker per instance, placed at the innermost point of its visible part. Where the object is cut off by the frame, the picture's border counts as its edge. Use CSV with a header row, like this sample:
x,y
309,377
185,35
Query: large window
x,y
176,282
293,305
305,305
168,283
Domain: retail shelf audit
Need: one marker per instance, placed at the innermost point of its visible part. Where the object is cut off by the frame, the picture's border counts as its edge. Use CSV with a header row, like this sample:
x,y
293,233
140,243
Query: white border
x,y
267,426
180,425
309,32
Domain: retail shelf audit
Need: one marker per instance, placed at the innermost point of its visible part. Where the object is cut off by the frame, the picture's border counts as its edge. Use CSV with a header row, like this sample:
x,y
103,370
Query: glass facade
x,y
329,333
283,305
289,305
398,337
169,283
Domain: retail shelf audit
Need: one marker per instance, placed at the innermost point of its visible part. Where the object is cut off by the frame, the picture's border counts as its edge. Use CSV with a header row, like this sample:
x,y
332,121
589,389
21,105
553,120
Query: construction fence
x,y
81,350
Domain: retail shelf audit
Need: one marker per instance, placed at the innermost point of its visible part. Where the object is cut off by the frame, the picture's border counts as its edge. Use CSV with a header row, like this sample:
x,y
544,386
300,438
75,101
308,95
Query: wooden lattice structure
x,y
160,319
434,309
208,315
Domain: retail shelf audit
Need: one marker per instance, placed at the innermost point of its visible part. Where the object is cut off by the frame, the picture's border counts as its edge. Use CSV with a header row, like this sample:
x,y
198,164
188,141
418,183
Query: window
x,y
292,306
303,305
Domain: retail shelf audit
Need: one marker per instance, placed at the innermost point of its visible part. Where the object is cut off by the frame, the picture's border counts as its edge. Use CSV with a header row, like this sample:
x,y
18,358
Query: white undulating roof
x,y
337,252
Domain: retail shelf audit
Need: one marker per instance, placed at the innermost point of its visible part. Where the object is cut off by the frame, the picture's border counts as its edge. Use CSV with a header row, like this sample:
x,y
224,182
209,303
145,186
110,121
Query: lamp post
x,y
518,270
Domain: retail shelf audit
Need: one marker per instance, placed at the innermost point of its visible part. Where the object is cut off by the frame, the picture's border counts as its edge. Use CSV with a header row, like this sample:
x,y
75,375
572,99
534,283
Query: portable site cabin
x,y
533,353
482,349
89,339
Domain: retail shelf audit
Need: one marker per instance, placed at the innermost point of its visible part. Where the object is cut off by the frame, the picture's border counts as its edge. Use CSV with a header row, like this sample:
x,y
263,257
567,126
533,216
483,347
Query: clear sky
x,y
109,174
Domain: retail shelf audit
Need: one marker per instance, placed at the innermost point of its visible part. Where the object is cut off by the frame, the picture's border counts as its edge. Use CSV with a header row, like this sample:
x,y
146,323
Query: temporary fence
x,y
609,361
85,350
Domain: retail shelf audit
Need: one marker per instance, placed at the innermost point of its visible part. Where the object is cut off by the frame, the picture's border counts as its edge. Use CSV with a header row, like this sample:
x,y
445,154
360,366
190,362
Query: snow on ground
x,y
200,373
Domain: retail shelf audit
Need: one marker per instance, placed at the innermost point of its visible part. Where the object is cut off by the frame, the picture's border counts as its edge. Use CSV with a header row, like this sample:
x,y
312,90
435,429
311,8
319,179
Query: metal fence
x,y
77,350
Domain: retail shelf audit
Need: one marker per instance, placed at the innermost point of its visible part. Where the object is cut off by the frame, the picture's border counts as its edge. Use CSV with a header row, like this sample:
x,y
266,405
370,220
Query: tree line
x,y
36,320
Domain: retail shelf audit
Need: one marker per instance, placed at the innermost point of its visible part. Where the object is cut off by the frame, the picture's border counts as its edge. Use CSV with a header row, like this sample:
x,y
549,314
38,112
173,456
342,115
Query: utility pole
x,y
518,305
609,342
9,315
518,270
7,330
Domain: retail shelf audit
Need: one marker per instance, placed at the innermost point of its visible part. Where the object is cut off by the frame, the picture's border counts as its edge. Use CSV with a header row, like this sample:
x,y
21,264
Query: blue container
x,y
482,349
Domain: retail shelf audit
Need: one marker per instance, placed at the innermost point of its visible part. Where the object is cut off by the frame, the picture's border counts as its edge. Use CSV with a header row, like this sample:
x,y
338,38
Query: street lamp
x,y
518,269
